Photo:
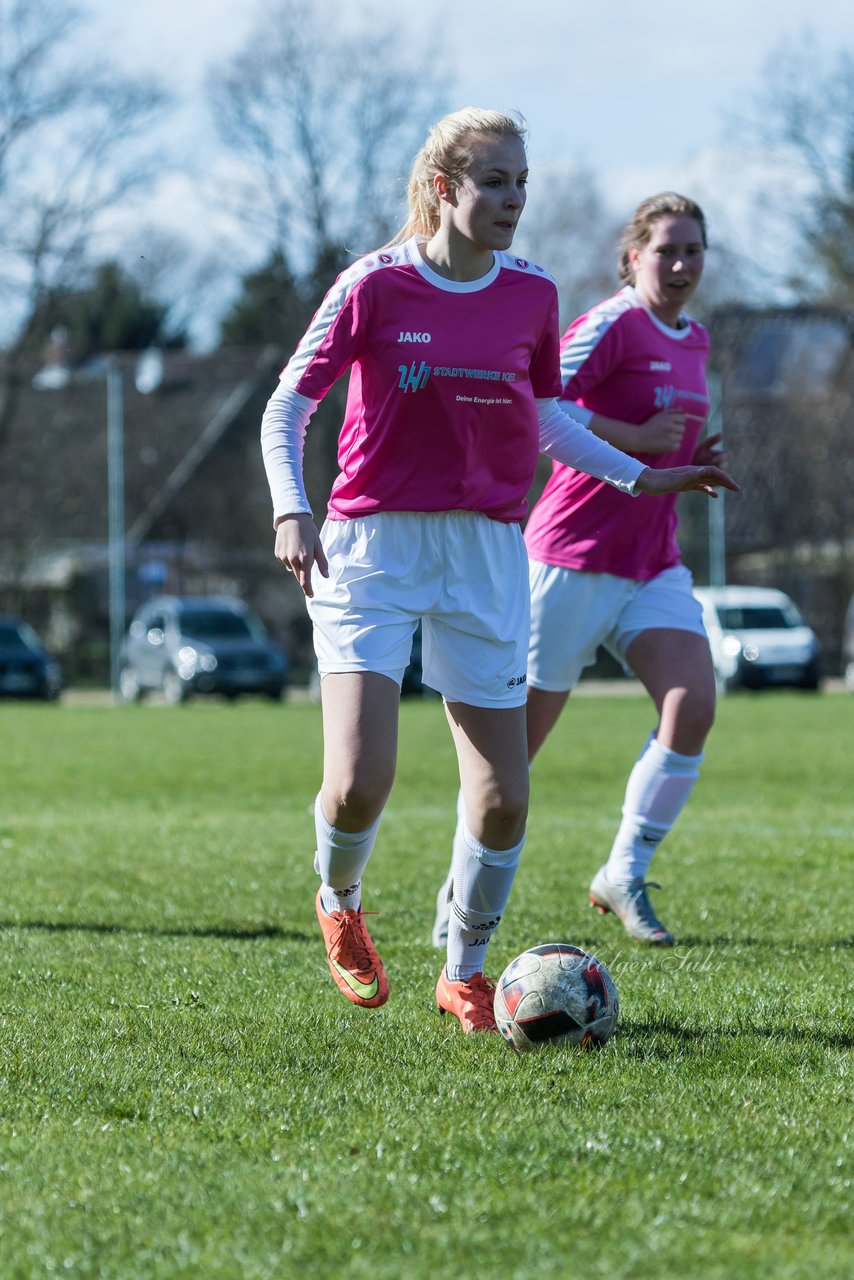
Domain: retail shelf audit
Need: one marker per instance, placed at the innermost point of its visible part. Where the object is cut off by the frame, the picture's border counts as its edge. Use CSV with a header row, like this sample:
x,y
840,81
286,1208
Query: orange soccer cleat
x,y
356,969
470,1000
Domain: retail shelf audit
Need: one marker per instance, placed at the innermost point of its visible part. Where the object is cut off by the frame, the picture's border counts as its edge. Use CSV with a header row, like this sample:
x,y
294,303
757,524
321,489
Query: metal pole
x,y
717,510
116,517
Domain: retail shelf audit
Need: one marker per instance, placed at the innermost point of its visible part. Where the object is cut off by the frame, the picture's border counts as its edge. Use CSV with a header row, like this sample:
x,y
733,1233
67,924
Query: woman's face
x,y
668,267
486,206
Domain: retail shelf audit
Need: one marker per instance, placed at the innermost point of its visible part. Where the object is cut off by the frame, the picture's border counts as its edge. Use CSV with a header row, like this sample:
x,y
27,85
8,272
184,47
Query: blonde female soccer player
x,y
608,572
452,347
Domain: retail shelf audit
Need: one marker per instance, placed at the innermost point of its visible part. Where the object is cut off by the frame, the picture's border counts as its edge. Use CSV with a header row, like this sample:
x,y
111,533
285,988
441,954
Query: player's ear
x,y
444,189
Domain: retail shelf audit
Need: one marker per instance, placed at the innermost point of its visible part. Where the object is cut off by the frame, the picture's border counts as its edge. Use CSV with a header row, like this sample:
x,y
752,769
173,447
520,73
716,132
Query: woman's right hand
x,y
705,479
299,548
662,433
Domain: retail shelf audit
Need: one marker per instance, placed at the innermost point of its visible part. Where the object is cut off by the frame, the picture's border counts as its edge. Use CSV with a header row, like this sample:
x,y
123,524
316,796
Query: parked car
x,y
848,645
184,645
758,639
27,669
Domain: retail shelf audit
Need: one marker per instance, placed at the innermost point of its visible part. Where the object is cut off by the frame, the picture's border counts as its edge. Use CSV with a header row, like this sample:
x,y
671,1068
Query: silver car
x,y
758,639
185,645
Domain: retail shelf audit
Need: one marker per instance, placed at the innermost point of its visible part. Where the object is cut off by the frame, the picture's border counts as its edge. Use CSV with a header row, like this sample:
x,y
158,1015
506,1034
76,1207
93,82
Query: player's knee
x,y
701,710
504,818
359,798
694,717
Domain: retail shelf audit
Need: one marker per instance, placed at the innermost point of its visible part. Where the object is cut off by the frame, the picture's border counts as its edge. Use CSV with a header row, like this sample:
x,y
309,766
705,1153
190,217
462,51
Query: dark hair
x,y
638,230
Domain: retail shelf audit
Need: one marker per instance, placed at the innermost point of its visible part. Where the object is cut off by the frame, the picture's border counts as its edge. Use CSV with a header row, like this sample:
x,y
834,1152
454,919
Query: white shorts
x,y
462,575
573,613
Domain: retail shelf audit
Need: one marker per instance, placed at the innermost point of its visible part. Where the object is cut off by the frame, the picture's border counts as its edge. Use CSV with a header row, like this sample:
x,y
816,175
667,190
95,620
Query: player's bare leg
x,y
541,714
360,726
492,757
676,668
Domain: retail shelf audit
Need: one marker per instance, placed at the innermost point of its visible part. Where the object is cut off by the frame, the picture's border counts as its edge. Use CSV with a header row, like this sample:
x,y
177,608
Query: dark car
x,y
184,645
27,670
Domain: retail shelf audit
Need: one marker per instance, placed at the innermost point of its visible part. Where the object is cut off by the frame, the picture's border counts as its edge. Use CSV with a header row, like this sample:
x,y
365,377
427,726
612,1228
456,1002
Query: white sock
x,y
458,848
482,881
657,791
340,860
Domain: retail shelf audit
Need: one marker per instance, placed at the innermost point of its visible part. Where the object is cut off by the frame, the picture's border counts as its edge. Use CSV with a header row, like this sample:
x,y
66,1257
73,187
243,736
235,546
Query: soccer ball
x,y
555,994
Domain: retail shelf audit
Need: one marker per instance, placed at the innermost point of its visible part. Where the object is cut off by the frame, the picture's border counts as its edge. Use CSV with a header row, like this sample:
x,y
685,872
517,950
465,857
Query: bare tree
x,y
323,108
569,230
805,116
786,378
73,144
184,279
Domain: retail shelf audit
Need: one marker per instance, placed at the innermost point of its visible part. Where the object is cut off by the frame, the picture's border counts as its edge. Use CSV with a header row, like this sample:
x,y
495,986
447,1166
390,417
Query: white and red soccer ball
x,y
556,993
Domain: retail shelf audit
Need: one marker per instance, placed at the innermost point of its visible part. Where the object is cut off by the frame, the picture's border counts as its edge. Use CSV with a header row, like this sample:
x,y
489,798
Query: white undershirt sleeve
x,y
283,429
576,411
564,439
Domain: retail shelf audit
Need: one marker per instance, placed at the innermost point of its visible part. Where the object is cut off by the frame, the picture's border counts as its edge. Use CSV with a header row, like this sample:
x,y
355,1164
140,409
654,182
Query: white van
x,y
758,638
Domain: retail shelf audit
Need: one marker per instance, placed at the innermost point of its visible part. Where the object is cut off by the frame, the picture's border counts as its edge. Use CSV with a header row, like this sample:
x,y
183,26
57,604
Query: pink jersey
x,y
620,361
441,411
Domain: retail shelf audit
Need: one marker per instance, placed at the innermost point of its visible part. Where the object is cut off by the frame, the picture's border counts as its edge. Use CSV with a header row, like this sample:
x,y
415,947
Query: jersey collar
x,y
440,282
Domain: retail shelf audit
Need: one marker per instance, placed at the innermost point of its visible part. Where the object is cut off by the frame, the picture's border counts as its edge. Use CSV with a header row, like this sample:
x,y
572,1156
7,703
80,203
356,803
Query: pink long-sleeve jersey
x,y
444,376
620,361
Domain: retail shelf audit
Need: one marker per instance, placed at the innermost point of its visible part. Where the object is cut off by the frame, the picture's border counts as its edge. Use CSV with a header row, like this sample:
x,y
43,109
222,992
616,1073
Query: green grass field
x,y
183,1093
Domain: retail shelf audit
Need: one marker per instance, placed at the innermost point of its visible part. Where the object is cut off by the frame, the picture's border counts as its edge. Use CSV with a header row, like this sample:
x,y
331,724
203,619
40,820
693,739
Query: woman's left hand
x,y
709,452
705,479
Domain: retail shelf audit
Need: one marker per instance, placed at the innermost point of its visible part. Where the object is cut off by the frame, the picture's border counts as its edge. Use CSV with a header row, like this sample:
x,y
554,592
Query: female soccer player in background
x,y
608,572
452,347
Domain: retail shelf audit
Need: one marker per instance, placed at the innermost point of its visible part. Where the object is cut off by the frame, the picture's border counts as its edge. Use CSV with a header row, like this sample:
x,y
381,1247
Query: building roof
x,y
53,460
783,352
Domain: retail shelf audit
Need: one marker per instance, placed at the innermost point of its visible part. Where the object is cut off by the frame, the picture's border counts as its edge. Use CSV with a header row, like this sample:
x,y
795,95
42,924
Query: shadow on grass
x,y
641,1034
750,940
624,947
692,953
191,931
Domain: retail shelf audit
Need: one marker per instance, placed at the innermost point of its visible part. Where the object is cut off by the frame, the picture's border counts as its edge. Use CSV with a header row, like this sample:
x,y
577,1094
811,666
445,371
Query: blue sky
x,y
621,84
646,93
